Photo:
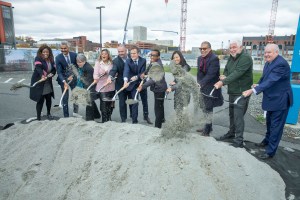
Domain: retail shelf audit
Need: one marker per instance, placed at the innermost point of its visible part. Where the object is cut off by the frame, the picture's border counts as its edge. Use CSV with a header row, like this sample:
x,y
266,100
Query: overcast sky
x,y
212,20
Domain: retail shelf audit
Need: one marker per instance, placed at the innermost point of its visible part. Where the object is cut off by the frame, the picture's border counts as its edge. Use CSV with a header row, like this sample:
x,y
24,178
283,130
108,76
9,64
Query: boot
x,y
207,129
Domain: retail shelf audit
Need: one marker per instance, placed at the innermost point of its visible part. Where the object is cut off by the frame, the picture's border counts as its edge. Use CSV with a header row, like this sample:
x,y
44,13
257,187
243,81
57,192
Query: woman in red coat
x,y
44,70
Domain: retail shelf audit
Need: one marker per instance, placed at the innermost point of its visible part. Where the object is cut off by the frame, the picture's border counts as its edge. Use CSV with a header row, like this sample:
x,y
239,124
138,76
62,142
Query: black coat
x,y
131,70
207,80
117,70
87,79
156,86
39,70
63,71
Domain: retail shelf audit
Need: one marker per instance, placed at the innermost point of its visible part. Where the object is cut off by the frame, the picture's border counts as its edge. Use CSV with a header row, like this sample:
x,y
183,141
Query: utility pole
x,y
100,26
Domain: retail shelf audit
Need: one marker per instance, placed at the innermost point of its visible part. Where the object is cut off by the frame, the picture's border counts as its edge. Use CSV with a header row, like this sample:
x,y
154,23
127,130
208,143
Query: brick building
x,y
255,45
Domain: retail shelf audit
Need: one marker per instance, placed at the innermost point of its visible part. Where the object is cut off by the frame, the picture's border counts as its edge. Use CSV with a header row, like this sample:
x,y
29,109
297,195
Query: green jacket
x,y
238,72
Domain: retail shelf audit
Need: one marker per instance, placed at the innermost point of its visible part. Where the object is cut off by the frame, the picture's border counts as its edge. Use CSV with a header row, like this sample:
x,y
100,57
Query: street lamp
x,y
100,27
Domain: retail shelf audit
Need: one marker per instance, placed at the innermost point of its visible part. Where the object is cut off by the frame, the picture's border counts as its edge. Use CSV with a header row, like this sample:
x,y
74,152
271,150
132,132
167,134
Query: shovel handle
x,y
62,96
90,86
212,91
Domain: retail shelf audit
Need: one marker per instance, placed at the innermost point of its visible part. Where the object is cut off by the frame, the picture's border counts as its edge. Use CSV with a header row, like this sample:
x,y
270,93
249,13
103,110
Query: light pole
x,y
100,26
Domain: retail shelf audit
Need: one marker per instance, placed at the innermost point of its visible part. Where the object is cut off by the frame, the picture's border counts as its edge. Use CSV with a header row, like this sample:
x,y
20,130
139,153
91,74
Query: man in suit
x,y
117,70
65,75
134,68
277,98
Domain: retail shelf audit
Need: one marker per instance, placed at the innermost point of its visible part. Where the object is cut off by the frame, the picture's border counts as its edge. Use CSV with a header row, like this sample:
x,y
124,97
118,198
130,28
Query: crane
x,y
166,31
125,27
183,21
270,35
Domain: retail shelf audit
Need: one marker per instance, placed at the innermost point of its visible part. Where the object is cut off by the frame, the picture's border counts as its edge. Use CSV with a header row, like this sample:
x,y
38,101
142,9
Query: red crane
x,y
183,21
270,35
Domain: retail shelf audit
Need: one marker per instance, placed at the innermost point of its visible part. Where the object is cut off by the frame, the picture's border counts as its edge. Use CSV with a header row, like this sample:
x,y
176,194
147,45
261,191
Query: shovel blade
x,y
131,101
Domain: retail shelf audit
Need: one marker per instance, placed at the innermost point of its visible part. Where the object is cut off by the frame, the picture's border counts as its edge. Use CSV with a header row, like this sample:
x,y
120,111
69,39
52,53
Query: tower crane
x,y
270,36
183,21
125,27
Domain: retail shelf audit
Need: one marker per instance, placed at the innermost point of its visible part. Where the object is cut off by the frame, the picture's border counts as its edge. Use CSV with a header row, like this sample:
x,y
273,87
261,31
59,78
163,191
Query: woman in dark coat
x,y
208,66
84,80
181,98
44,70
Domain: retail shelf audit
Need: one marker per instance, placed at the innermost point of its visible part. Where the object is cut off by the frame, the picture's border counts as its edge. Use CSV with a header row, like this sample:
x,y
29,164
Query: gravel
x,y
256,111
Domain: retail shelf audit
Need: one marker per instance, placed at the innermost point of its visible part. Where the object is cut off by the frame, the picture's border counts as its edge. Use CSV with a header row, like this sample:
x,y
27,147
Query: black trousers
x,y
92,112
40,103
106,107
144,98
159,110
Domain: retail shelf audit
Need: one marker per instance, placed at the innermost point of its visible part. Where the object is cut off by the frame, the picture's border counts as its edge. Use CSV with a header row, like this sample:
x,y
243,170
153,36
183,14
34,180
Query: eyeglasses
x,y
203,49
152,55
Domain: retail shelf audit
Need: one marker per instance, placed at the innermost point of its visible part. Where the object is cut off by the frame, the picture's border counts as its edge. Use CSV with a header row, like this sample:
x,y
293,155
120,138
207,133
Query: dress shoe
x,y
50,117
226,136
262,144
237,145
264,156
147,119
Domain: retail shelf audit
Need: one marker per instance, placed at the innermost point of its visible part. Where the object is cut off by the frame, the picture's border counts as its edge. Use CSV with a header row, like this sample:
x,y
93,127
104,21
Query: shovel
x,y
210,94
20,85
62,96
135,100
120,90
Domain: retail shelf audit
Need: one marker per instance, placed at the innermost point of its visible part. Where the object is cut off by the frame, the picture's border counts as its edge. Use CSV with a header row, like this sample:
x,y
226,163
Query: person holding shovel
x,y
84,80
65,77
45,70
208,72
134,67
117,71
158,87
239,77
103,65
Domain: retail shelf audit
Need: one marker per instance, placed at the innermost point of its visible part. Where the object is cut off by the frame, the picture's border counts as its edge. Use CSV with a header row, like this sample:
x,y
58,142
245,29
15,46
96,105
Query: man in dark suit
x,y
117,70
134,68
277,98
62,61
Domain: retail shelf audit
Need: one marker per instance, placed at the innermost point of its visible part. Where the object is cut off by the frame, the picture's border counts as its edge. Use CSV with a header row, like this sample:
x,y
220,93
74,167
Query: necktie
x,y
68,60
135,63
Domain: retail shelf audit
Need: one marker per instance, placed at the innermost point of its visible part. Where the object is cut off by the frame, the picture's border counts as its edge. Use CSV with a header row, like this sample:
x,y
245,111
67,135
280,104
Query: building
x,y
7,30
78,44
255,45
139,33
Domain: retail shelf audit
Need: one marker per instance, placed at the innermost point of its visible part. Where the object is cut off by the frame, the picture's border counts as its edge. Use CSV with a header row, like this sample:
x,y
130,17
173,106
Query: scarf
x,y
203,62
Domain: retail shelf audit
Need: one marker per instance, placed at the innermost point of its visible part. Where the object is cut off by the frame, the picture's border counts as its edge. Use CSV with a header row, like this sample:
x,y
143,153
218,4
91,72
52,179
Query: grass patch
x,y
260,118
256,74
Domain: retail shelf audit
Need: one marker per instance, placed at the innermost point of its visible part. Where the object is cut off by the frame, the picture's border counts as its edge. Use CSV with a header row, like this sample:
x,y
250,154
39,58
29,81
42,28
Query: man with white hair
x,y
277,98
238,76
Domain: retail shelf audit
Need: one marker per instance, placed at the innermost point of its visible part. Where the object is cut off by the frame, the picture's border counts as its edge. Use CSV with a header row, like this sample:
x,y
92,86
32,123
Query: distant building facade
x,y
78,44
139,33
255,45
